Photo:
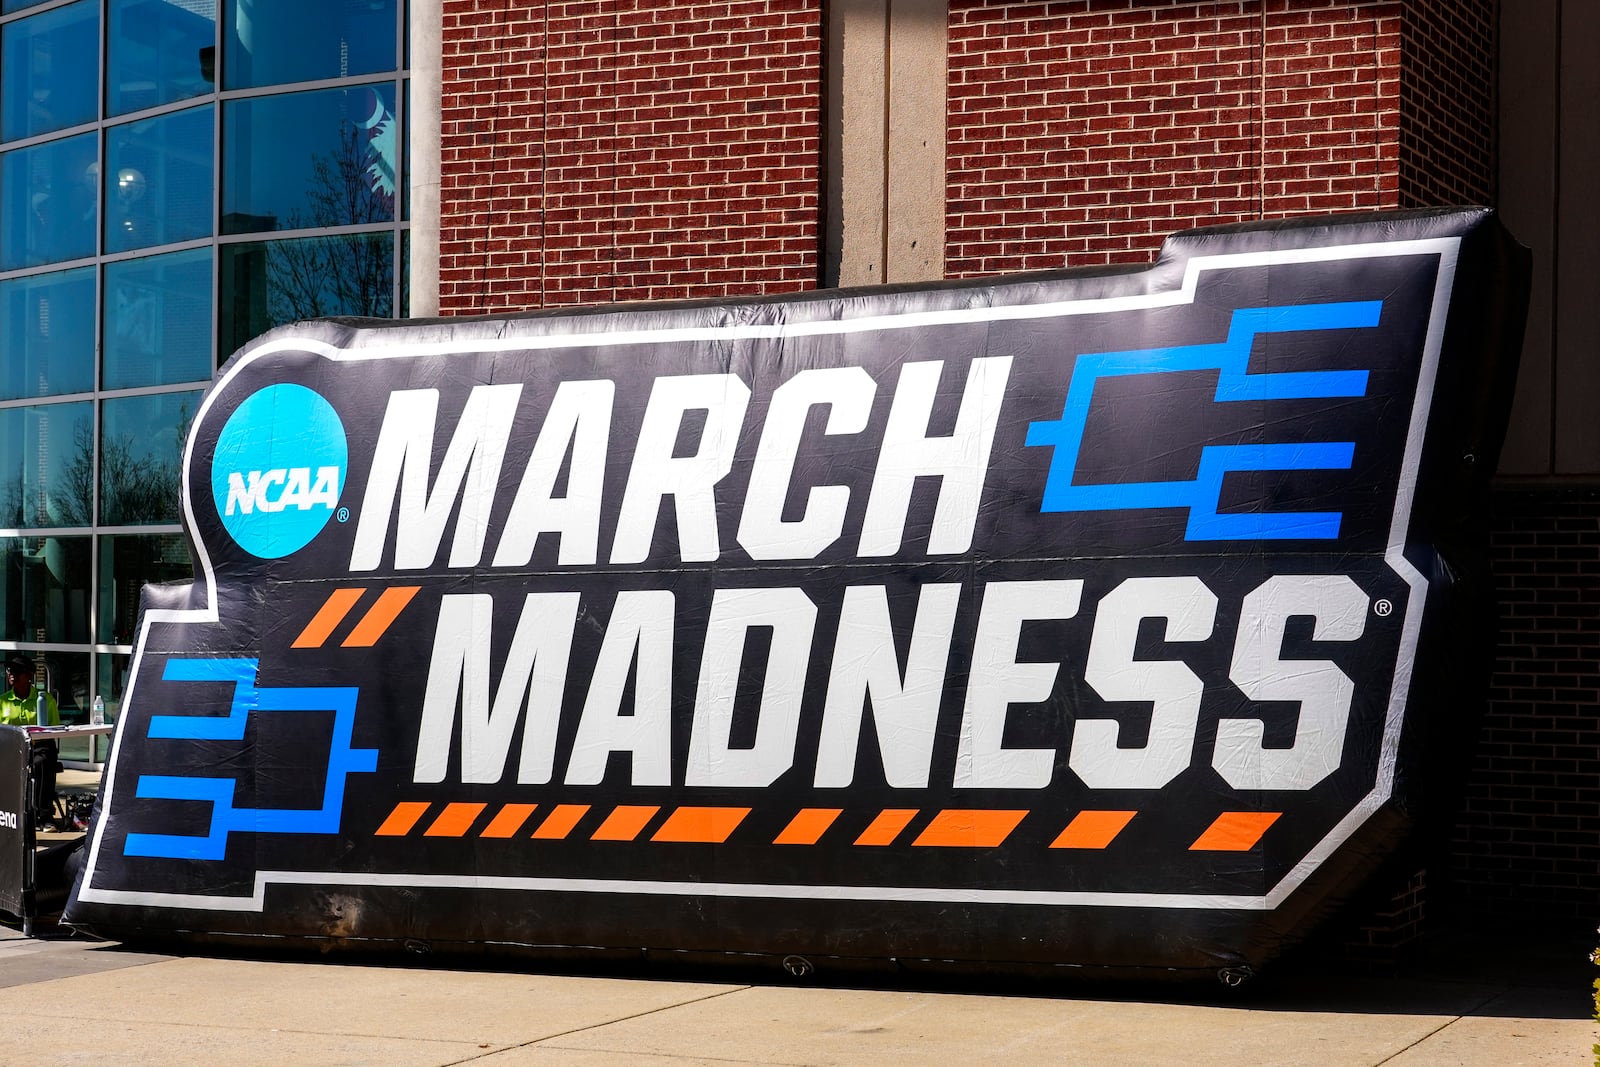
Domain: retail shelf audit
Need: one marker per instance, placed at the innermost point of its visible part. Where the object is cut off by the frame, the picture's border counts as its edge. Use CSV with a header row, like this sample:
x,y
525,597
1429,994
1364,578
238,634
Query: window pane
x,y
47,477
44,589
50,63
267,283
8,6
47,334
158,320
308,160
158,180
68,677
269,42
127,562
113,683
141,442
158,52
48,202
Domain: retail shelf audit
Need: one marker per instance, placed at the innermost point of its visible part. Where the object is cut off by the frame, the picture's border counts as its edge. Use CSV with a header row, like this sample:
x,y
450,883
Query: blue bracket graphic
x,y
343,760
1201,495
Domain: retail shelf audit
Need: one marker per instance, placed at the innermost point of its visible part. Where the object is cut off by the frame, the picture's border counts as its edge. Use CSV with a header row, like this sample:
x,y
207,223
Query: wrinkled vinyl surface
x,y
1108,619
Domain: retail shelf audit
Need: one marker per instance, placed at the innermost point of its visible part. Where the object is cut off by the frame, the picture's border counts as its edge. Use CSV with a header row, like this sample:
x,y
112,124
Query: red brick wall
x,y
1082,133
627,149
1528,839
1447,108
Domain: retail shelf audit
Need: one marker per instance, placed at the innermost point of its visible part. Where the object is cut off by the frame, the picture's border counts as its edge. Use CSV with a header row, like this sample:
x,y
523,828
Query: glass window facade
x,y
176,177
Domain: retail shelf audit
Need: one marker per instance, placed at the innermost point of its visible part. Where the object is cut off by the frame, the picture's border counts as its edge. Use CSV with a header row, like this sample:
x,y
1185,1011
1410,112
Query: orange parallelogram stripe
x,y
402,818
1093,829
508,820
1235,831
969,828
328,617
704,825
559,823
625,822
887,826
808,826
454,820
379,616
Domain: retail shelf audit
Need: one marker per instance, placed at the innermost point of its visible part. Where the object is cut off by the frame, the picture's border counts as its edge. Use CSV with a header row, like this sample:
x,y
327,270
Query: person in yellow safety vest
x,y
20,702
19,706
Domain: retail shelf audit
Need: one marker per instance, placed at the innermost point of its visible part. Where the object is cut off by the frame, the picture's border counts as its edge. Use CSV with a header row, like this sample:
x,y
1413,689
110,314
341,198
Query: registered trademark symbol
x,y
1382,607
344,516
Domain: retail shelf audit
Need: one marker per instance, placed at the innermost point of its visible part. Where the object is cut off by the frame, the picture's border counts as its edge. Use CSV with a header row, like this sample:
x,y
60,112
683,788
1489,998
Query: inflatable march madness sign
x,y
1088,618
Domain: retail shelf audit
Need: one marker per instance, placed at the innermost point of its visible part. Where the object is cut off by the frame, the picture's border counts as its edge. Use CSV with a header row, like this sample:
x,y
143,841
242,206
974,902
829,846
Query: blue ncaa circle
x,y
278,470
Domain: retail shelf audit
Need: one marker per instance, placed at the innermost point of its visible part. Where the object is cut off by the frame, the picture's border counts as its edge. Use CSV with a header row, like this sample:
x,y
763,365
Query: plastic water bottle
x,y
97,713
42,711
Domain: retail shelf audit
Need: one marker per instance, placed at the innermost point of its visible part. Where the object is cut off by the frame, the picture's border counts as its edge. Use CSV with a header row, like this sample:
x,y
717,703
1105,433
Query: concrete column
x,y
885,105
422,167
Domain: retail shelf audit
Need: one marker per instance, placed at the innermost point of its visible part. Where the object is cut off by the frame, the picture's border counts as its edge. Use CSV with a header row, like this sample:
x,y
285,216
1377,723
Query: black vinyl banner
x,y
14,836
1085,618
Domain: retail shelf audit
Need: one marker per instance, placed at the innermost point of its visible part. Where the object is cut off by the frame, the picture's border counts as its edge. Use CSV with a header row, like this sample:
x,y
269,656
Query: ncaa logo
x,y
278,470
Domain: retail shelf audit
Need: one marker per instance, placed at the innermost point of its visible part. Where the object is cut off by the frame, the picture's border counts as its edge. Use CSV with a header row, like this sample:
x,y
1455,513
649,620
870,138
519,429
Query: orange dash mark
x,y
508,820
559,823
1093,829
1235,831
624,822
808,826
454,820
379,616
969,828
887,826
328,617
702,825
402,818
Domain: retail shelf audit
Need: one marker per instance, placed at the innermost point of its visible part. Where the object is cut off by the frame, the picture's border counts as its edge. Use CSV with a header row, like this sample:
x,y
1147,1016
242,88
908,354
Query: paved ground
x,y
1467,1000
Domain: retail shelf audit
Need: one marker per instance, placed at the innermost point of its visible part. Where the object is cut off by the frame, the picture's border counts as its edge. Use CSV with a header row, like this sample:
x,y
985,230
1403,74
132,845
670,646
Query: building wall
x,y
599,151
613,150
1529,832
1447,103
1084,133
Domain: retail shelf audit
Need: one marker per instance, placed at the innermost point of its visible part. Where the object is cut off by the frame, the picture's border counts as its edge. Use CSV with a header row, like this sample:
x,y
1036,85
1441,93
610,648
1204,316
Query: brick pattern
x,y
1447,107
1082,133
1528,837
611,150
1384,928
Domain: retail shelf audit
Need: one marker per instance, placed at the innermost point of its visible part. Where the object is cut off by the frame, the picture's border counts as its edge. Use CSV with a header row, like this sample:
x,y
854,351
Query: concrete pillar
x,y
422,167
885,109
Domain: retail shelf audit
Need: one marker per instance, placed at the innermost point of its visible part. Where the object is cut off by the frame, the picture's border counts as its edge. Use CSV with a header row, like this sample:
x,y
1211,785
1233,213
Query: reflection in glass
x,y
309,160
48,202
404,181
157,320
158,180
47,334
44,589
268,283
141,442
46,465
112,683
8,6
269,42
158,52
127,562
49,62
68,676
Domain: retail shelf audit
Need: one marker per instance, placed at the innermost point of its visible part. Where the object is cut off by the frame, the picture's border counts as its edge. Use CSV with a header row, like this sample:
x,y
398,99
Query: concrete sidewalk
x,y
81,1002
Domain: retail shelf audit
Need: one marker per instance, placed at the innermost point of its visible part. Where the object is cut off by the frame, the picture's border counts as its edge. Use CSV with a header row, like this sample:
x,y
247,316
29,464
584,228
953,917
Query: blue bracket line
x,y
343,760
1234,383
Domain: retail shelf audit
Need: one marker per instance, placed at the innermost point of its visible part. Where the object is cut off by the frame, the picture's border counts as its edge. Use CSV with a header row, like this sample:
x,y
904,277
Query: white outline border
x,y
1446,248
